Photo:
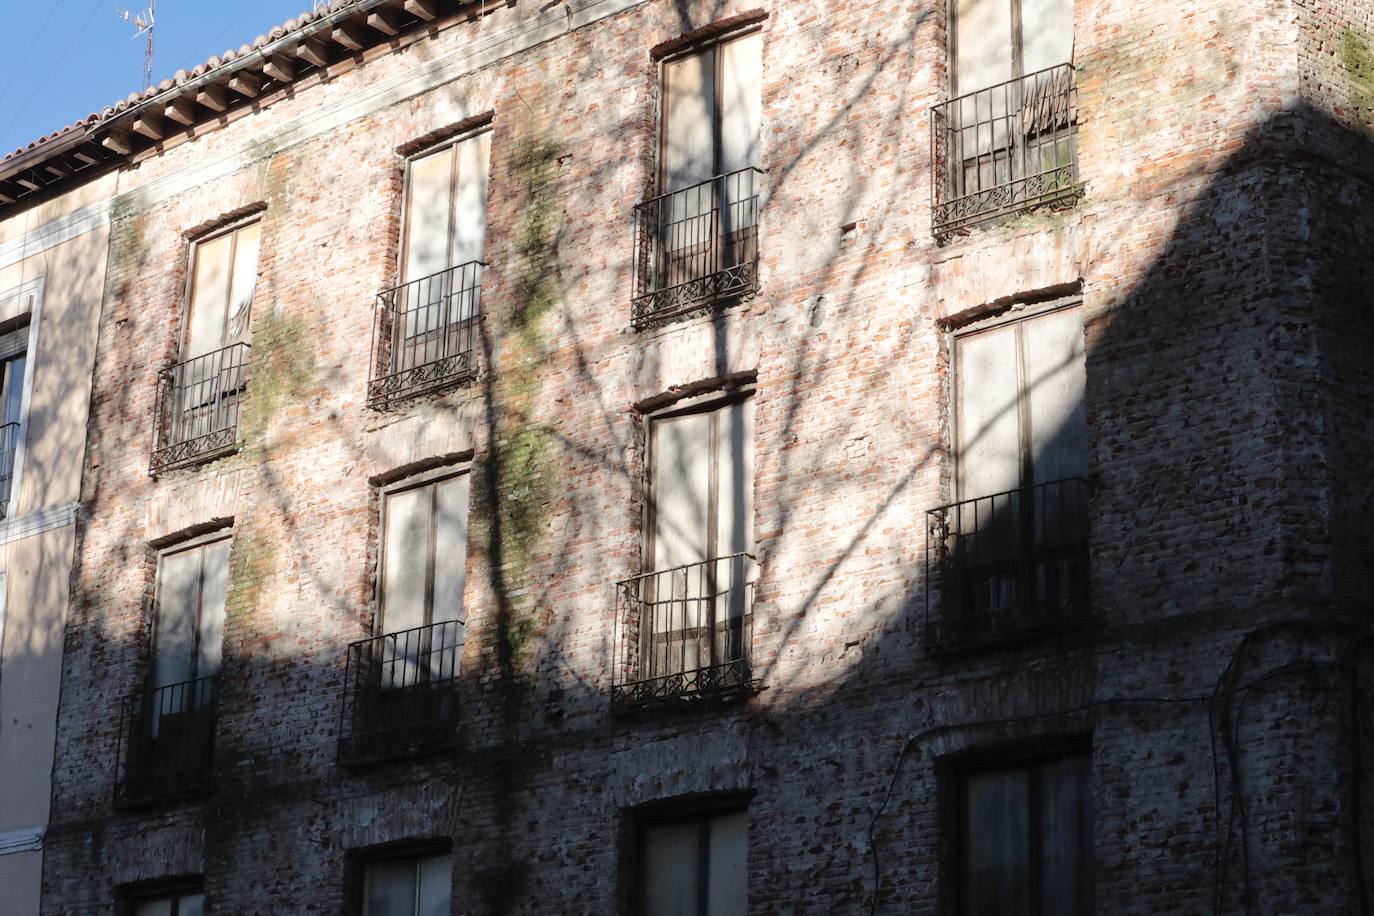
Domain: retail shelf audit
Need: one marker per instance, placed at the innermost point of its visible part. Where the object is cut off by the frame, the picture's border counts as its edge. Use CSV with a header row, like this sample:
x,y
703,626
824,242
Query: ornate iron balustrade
x,y
425,335
401,692
685,634
198,406
1006,148
9,445
1008,564
167,742
696,246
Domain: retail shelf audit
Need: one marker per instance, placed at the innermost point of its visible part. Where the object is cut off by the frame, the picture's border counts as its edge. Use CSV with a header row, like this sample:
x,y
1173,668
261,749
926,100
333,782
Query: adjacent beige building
x,y
52,272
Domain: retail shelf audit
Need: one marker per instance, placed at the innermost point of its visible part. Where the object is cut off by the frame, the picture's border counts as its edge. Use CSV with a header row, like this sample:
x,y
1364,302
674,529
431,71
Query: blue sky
x,y
74,57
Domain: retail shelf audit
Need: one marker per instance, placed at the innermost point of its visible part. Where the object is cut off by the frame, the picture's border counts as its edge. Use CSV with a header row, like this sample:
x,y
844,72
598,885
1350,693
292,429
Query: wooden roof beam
x,y
28,183
246,84
118,141
149,124
280,69
350,35
213,97
181,110
427,10
85,158
313,51
385,20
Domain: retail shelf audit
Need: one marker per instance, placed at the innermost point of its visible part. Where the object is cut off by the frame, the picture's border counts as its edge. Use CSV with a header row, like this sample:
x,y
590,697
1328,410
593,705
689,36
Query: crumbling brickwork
x,y
1217,254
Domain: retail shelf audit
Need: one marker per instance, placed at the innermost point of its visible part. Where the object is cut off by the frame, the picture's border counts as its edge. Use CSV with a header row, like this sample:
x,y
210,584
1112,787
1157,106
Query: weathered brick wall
x,y
1202,356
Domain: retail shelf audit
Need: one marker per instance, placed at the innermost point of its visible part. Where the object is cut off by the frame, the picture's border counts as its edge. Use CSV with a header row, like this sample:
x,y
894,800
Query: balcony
x,y
697,247
167,740
9,444
401,693
425,335
198,406
1007,565
684,635
1005,149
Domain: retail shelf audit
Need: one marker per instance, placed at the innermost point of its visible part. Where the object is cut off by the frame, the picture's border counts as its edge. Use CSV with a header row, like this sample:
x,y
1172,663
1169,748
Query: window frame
x,y
20,304
231,228
705,402
1017,315
176,890
698,812
1018,41
427,478
712,44
407,166
1028,760
198,542
414,852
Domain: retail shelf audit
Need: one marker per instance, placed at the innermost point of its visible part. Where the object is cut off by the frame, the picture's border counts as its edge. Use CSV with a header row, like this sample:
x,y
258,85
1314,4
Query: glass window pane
x,y
214,588
1055,382
450,548
209,297
14,388
689,135
982,43
177,595
162,906
1066,836
429,202
191,905
470,199
741,102
243,281
671,876
406,558
996,866
728,878
1046,33
989,454
390,888
735,470
436,876
681,485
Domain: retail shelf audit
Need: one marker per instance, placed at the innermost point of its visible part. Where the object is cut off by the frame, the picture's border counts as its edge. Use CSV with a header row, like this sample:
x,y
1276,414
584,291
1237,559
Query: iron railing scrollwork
x,y
685,634
425,335
1008,564
696,246
166,742
1006,148
401,692
198,406
9,446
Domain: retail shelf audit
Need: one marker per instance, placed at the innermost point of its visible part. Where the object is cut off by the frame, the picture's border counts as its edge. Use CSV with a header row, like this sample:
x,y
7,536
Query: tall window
x,y
13,360
702,532
202,394
179,904
428,321
695,866
188,634
411,886
1000,40
1016,539
1026,844
698,237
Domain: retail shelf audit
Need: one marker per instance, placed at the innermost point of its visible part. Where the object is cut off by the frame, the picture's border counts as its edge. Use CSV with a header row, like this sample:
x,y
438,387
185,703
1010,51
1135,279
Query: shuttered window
x,y
712,111
223,277
171,905
188,636
446,207
424,554
1019,412
696,866
419,886
1000,40
1026,845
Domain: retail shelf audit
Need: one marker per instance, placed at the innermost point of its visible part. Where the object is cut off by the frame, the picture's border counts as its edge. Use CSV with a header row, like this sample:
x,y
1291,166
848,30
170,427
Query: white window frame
x,y
12,306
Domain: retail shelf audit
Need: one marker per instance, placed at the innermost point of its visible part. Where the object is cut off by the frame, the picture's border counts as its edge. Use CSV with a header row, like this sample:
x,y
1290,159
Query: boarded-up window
x,y
185,904
1019,411
223,276
1026,844
999,40
446,207
188,634
417,886
712,113
695,866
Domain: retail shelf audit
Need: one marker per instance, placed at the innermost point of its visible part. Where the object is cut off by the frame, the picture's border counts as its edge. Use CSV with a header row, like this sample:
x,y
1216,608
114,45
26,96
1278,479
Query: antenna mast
x,y
143,25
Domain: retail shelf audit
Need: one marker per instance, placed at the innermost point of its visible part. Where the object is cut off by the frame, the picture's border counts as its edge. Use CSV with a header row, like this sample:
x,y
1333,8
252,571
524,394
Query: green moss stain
x,y
1358,60
251,562
280,369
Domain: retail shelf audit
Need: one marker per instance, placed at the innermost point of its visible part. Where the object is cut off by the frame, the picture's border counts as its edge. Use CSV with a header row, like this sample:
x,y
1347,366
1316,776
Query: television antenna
x,y
143,25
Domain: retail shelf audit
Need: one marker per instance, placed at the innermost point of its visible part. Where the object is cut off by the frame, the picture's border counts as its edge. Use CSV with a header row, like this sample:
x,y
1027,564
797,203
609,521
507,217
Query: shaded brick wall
x,y
1196,268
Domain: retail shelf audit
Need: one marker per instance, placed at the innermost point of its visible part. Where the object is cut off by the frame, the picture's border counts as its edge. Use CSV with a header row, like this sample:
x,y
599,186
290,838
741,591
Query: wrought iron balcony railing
x,y
697,247
401,692
1006,148
425,335
167,742
9,445
198,406
685,634
1008,564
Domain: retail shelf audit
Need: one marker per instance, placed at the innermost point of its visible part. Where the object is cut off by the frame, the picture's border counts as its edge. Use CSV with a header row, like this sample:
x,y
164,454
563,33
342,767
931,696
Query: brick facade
x,y
1217,257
